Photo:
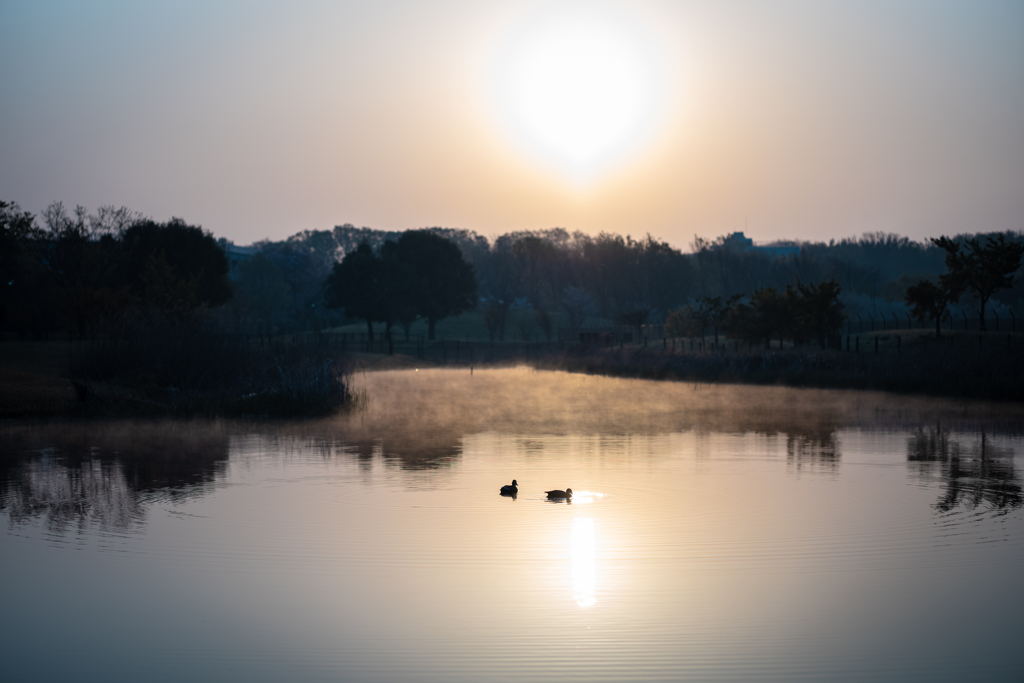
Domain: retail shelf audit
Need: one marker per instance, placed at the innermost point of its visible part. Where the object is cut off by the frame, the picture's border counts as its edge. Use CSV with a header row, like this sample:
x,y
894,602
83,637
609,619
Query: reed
x,y
963,368
190,371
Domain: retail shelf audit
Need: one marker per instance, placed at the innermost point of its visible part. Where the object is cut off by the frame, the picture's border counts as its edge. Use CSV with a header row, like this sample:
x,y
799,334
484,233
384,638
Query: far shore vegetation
x,y
112,313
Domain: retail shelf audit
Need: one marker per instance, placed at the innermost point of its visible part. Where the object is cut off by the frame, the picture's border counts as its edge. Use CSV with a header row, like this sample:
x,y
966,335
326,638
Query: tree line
x,y
85,273
72,271
552,279
419,275
802,313
978,269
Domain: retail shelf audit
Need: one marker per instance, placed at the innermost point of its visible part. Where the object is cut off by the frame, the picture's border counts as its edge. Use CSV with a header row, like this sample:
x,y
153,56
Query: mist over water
x,y
715,533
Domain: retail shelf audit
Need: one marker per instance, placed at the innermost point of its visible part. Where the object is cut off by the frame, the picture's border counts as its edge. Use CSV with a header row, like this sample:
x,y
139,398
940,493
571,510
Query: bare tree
x,y
79,252
982,269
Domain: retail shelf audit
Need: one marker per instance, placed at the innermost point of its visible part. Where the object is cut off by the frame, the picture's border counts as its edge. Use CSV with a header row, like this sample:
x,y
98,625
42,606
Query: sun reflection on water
x,y
583,565
583,497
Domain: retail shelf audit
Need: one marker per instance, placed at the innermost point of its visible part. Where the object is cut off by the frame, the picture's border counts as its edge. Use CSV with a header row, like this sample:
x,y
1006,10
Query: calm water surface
x,y
716,534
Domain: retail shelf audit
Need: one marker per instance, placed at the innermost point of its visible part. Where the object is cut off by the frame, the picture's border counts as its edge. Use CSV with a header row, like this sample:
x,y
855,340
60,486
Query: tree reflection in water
x,y
814,448
418,451
90,493
811,445
422,451
83,476
974,474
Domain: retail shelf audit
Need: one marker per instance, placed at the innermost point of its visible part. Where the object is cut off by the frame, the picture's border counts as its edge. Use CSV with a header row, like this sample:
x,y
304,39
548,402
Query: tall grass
x,y
193,370
964,369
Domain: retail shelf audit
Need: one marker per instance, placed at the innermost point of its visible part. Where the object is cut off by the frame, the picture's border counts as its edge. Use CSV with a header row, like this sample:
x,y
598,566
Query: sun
x,y
577,88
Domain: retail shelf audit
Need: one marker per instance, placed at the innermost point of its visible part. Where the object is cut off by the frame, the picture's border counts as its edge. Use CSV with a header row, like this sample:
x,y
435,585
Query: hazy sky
x,y
807,120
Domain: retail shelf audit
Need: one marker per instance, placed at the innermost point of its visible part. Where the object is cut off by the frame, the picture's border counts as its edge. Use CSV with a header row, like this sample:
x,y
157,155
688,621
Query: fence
x,y
442,350
468,352
859,323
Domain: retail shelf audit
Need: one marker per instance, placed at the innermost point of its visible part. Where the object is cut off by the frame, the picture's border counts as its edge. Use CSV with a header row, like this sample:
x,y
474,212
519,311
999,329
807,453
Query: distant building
x,y
741,242
236,255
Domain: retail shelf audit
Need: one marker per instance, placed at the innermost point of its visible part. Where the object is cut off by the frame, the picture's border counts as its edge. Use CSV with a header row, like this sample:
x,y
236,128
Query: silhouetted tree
x,y
703,312
981,269
445,282
606,276
712,310
818,311
621,274
304,265
174,268
799,313
537,263
577,305
681,322
15,225
495,316
665,274
261,292
766,315
399,289
929,301
354,284
80,254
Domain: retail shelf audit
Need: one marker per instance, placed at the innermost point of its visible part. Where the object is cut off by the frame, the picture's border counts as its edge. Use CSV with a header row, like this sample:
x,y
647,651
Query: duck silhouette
x,y
510,489
558,494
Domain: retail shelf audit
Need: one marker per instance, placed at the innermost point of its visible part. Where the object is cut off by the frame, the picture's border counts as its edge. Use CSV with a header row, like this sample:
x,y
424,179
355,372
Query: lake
x,y
716,533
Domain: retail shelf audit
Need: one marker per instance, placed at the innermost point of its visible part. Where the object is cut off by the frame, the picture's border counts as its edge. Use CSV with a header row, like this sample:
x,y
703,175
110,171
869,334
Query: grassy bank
x,y
34,380
969,365
172,372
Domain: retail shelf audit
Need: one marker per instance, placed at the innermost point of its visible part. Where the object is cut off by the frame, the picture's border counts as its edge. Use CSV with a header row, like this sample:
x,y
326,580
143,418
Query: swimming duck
x,y
559,494
512,490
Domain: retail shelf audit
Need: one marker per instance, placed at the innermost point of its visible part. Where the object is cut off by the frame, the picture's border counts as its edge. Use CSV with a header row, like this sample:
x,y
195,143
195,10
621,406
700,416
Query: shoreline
x,y
34,381
949,372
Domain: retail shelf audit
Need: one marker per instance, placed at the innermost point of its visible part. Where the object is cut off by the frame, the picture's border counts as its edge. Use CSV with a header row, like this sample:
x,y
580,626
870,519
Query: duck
x,y
560,494
510,489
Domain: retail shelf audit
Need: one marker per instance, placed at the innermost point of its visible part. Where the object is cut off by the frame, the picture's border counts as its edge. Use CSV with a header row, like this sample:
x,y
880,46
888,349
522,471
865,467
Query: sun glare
x,y
584,572
577,88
